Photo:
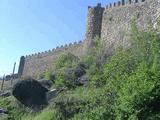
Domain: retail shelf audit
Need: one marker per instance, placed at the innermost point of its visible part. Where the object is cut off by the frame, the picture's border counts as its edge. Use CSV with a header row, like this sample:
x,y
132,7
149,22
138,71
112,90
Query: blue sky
x,y
31,26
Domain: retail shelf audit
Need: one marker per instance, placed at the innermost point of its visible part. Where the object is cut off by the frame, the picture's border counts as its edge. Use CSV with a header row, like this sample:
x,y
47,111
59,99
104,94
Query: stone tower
x,y
94,24
111,23
21,65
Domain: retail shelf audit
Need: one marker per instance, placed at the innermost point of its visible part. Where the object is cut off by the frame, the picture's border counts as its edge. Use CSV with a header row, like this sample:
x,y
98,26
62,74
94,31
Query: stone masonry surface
x,y
111,23
39,63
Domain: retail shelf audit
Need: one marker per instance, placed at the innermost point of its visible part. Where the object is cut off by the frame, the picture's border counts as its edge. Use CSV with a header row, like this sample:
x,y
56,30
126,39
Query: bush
x,y
47,114
131,81
66,60
125,87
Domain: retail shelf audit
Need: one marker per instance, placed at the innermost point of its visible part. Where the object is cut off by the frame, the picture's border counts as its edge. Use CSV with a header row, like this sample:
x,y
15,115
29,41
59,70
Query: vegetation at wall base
x,y
124,86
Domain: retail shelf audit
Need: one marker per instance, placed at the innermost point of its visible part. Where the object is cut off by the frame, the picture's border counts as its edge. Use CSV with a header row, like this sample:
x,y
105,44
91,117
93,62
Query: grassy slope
x,y
126,87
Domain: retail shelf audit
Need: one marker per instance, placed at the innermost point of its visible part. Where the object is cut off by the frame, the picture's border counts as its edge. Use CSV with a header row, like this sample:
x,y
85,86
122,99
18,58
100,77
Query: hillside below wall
x,y
116,22
39,63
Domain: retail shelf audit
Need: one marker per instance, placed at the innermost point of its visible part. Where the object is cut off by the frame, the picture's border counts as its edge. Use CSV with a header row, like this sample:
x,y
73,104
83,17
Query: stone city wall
x,y
111,23
38,63
117,19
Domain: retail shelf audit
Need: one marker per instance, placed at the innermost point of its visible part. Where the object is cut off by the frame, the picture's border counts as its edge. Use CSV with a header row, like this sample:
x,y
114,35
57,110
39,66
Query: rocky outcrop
x,y
3,111
46,83
74,76
83,80
30,93
5,94
79,71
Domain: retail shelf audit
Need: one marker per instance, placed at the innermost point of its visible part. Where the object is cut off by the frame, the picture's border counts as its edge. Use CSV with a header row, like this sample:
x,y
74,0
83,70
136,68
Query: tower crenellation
x,y
108,23
94,22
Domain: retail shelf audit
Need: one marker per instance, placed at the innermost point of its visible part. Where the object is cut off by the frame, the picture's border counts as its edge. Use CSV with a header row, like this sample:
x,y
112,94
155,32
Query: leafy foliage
x,y
66,60
124,87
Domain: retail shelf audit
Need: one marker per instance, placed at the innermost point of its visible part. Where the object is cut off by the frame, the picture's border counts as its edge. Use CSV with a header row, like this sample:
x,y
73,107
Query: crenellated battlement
x,y
93,7
92,10
112,23
123,3
117,4
62,47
